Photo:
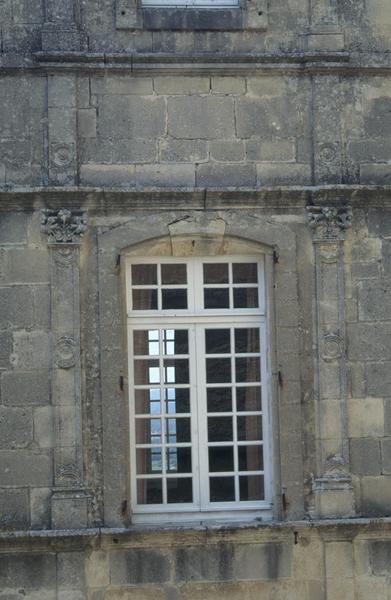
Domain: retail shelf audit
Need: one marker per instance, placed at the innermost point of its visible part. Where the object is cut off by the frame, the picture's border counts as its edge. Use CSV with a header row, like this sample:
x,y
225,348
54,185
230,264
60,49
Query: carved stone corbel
x,y
332,484
64,229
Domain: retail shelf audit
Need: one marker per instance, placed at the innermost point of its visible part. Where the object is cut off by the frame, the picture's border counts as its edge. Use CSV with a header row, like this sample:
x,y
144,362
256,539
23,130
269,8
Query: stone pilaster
x,y
69,501
332,484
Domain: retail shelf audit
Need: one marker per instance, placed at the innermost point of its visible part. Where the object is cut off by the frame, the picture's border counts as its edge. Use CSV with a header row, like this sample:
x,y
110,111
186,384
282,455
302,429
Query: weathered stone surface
x,y
40,507
228,85
365,456
28,265
173,150
31,350
13,228
266,118
181,85
366,417
28,571
70,570
376,496
14,509
139,566
219,175
201,117
369,341
20,388
24,468
127,117
16,428
16,307
374,303
227,150
121,85
5,349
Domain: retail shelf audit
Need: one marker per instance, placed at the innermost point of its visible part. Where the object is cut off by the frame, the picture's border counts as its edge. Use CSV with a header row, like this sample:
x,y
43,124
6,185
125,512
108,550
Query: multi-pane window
x,y
198,385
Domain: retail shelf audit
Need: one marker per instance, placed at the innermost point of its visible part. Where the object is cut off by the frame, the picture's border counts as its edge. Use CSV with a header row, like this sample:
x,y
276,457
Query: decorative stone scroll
x,y
64,229
332,487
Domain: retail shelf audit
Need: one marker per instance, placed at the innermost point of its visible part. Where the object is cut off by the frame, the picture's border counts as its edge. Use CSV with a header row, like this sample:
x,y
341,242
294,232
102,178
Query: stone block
x,y
134,151
225,175
273,173
379,224
271,150
386,257
14,509
173,150
373,151
365,270
24,468
44,427
209,563
182,175
97,571
40,507
387,416
70,595
13,228
266,118
197,117
380,557
262,561
107,175
16,308
377,121
371,587
61,91
269,86
376,496
31,350
340,589
365,456
174,85
117,85
28,265
374,303
70,570
5,349
228,85
368,341
16,428
385,446
69,511
42,311
20,388
95,150
28,571
339,560
227,150
366,417
127,117
86,122
375,174
136,593
378,377
62,125
138,566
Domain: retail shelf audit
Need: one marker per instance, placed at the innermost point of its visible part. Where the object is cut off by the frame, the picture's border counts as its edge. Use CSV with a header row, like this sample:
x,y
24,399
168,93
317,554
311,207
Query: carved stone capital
x,y
63,226
329,222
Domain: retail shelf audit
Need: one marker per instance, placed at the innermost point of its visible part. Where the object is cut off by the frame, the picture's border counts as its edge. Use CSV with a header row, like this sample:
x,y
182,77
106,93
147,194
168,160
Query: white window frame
x,y
195,320
190,3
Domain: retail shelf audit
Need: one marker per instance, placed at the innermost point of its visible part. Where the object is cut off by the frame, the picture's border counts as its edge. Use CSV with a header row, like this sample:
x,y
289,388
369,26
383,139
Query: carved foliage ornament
x,y
329,222
63,226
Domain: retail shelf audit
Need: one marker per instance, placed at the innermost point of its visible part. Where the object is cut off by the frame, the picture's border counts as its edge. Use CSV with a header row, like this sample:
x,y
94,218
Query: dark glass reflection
x,y
148,431
245,297
176,370
220,429
251,487
248,369
215,272
149,491
144,275
246,340
147,401
216,298
172,299
149,461
219,399
173,274
146,371
245,272
221,459
146,342
250,458
217,341
179,489
177,400
250,428
178,431
179,460
222,489
248,399
144,299
175,341
218,370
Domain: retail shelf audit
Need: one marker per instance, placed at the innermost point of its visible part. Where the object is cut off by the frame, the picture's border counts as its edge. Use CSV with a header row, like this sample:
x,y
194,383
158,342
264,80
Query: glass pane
x,y
178,431
146,371
147,401
174,299
179,460
250,458
222,489
218,370
174,274
177,400
251,487
148,431
144,299
217,341
149,460
176,370
144,275
250,428
245,297
175,341
248,399
245,272
216,298
146,342
149,491
179,490
220,429
248,369
221,459
219,399
215,272
246,340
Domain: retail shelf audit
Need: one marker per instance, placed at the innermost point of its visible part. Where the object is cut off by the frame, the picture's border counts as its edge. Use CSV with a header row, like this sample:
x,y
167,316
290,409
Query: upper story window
x,y
199,388
191,3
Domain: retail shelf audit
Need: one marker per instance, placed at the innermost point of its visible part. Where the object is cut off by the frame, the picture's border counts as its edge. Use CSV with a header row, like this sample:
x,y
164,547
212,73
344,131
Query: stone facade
x,y
140,131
